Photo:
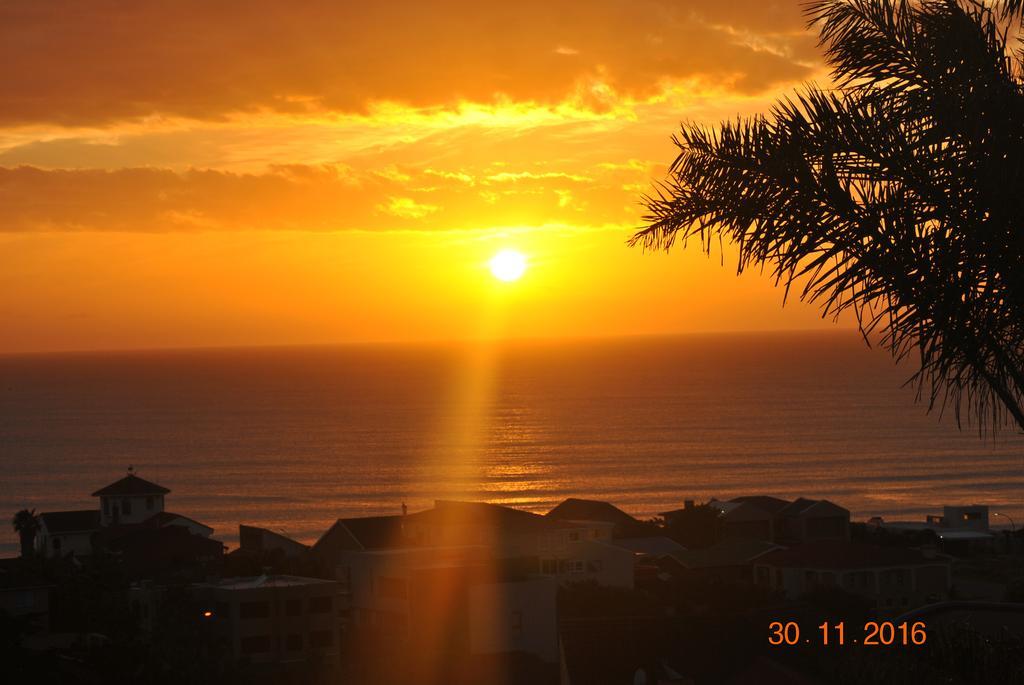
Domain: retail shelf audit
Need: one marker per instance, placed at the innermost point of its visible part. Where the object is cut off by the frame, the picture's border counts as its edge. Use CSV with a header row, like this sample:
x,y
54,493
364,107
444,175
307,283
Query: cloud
x,y
308,197
407,208
98,62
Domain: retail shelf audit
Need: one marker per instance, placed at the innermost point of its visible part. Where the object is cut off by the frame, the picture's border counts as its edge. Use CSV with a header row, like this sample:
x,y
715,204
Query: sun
x,y
508,265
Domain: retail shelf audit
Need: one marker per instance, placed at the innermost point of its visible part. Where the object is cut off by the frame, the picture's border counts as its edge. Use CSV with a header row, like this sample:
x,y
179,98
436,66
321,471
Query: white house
x,y
128,503
66,532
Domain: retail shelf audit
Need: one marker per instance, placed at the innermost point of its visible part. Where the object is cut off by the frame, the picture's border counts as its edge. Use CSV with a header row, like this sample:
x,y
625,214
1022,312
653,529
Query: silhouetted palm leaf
x,y
897,198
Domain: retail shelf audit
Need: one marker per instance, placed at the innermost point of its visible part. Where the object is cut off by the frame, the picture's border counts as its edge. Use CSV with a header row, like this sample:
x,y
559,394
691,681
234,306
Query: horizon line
x,y
422,342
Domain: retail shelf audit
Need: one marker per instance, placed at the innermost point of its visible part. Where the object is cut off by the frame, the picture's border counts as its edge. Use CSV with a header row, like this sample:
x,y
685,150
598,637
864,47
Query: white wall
x,y
139,511
79,543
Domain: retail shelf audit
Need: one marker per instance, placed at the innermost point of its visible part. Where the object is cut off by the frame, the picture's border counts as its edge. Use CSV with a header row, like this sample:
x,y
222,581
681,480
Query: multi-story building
x,y
465,596
275,618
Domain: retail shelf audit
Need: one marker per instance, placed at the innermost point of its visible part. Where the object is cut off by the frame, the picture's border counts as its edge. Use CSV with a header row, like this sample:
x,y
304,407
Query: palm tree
x,y
26,525
896,195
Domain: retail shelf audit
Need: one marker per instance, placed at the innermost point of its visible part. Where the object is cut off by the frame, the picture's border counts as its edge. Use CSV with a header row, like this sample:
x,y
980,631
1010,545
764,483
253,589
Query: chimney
x,y
405,509
688,504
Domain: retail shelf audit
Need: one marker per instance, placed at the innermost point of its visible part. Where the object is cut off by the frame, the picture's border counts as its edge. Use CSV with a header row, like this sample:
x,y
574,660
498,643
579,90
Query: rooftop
x,y
71,521
772,505
368,532
801,505
131,485
483,514
575,509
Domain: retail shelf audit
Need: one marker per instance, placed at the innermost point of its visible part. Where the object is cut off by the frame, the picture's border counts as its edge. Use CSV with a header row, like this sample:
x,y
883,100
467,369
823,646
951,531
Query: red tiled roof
x,y
840,554
131,485
71,521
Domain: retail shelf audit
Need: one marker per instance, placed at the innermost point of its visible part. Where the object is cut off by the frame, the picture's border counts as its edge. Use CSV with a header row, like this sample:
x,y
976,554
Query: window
x,y
247,610
549,567
574,537
320,605
321,638
293,643
56,544
255,644
149,503
126,507
517,623
293,607
595,566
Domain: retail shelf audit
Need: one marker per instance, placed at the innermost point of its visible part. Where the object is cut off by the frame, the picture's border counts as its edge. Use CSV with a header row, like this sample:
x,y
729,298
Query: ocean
x,y
293,438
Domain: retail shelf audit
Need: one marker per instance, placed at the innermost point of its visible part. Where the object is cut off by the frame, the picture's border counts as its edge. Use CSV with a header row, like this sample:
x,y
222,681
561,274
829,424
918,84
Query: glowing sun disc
x,y
508,265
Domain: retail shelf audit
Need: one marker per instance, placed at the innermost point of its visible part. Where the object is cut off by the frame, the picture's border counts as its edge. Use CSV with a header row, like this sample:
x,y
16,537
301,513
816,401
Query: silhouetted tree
x,y
26,525
896,196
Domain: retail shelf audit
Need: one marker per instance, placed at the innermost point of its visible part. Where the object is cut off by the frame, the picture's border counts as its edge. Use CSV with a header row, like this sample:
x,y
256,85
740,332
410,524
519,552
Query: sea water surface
x,y
294,438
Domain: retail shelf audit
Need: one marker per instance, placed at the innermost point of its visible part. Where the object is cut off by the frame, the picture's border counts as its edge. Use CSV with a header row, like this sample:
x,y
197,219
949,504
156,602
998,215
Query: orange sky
x,y
193,173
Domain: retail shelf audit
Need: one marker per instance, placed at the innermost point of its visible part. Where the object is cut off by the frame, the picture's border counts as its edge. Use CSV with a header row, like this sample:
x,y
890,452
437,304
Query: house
x,y
960,530
894,578
571,550
270,619
361,533
745,519
464,596
770,519
66,532
130,500
575,509
130,516
770,508
808,520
